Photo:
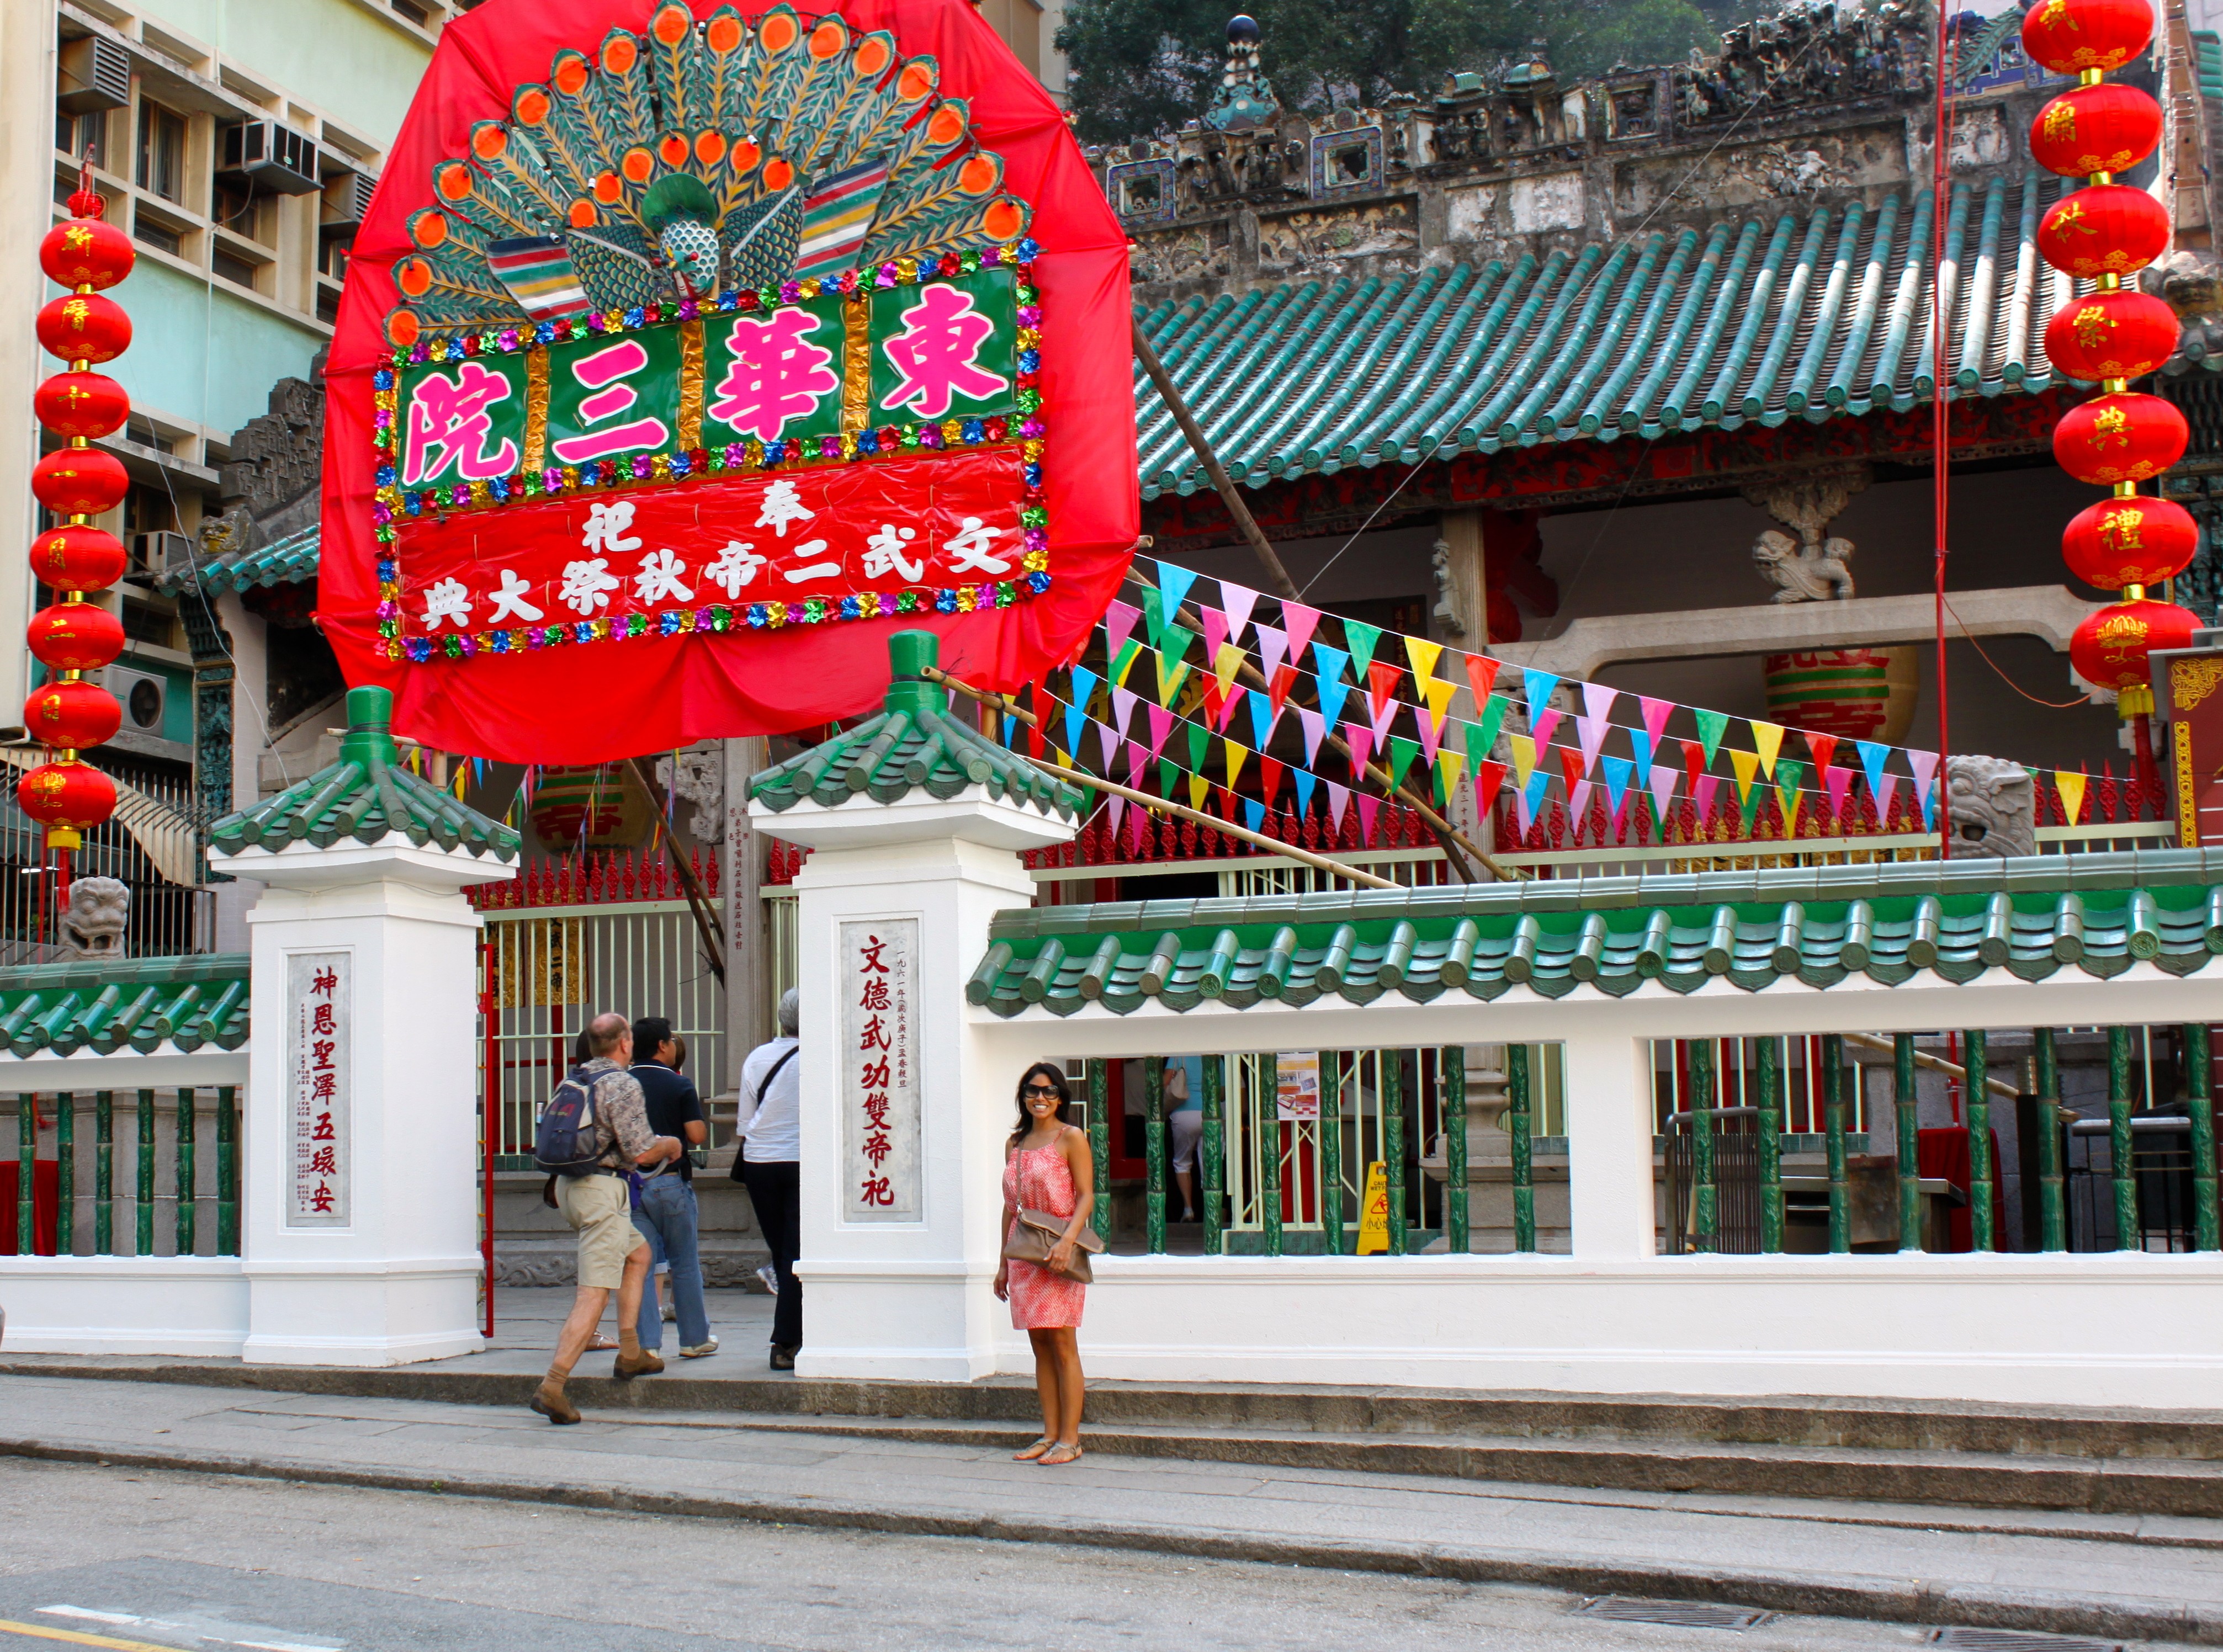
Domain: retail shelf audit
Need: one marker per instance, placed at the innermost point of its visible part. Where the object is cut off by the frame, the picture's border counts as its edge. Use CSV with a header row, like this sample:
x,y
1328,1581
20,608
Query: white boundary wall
x,y
1614,1316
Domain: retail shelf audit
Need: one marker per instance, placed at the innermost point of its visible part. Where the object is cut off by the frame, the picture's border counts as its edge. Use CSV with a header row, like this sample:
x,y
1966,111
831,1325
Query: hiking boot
x,y
647,1364
782,1358
548,1400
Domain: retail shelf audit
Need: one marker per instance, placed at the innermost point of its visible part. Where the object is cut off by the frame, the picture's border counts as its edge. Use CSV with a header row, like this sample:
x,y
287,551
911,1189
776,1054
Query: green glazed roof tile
x,y
363,796
135,1004
912,743
1556,937
290,560
1811,315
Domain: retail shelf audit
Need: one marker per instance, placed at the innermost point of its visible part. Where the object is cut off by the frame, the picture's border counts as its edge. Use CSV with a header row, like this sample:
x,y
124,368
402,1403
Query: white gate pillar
x,y
1609,1129
914,822
359,1226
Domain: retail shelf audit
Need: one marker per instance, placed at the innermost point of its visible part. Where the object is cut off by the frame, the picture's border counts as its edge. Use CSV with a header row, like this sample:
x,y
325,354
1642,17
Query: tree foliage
x,y
1143,66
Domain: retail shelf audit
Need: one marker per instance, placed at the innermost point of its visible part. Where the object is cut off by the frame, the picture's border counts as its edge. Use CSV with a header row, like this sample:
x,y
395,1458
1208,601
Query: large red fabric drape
x,y
586,704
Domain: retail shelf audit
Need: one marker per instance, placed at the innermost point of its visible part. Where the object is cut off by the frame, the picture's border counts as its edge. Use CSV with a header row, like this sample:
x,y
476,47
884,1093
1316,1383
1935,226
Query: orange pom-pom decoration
x,y
79,481
71,716
2121,541
85,252
2109,649
66,796
2096,128
2125,438
2069,36
2120,335
2103,229
83,327
75,636
77,559
81,404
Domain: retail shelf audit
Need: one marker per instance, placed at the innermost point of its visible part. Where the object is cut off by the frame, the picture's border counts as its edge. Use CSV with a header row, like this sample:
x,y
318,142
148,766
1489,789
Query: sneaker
x,y
771,1279
702,1350
670,1314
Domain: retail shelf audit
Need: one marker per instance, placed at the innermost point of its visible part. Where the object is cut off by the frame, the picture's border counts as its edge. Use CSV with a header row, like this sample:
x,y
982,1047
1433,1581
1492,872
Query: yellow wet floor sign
x,y
1374,1214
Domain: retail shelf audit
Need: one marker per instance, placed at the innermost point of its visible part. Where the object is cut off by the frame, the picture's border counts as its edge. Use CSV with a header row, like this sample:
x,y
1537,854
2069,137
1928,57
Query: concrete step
x,y
2095,1460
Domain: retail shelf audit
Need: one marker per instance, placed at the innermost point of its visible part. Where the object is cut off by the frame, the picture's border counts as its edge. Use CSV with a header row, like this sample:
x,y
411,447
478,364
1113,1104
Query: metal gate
x,y
546,971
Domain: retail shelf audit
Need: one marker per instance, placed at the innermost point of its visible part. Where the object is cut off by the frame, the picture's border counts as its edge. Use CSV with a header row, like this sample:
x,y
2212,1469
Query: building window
x,y
233,268
148,510
420,16
161,151
156,235
75,133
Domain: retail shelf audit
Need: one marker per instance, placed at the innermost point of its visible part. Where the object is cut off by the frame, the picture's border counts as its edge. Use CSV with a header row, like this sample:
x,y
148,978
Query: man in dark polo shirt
x,y
667,1214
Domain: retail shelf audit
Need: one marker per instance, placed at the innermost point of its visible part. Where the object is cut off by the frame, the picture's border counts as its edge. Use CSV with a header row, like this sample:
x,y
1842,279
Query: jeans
x,y
776,1192
668,1219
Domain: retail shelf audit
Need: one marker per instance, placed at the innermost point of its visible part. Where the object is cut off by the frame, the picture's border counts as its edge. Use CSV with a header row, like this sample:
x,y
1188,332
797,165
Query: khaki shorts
x,y
599,1208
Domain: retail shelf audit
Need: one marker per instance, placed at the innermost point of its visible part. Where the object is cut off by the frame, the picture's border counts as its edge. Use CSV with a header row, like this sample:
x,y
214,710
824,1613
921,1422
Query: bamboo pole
x,y
698,902
1924,1058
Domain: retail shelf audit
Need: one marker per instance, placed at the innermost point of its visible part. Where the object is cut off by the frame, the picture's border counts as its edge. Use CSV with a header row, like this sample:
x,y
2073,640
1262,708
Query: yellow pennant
x,y
1235,754
1524,758
2071,787
1171,674
1199,789
1449,766
1229,663
1767,739
1439,699
1747,766
1790,798
1125,663
1424,655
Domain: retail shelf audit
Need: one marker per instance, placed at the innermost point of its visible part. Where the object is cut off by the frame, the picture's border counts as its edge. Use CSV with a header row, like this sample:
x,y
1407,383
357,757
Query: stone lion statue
x,y
92,927
1994,807
1803,576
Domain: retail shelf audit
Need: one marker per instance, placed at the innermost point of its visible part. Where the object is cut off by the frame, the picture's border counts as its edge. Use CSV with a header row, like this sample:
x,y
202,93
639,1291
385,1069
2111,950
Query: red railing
x,y
591,880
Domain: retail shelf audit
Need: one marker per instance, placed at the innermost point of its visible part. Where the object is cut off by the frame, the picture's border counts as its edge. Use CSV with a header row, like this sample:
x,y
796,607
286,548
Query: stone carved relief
x,y
1302,237
1993,805
91,928
1805,564
1447,589
698,774
1189,254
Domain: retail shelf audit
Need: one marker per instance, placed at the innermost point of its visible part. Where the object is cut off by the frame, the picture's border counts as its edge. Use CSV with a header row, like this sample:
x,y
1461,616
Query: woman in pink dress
x,y
1048,1166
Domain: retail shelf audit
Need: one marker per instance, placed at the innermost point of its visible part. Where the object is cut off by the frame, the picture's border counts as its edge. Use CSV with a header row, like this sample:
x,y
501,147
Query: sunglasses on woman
x,y
1041,1089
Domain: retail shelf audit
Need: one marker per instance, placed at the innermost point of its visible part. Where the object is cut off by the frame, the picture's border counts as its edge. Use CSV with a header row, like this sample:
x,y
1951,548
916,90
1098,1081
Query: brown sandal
x,y
1058,1456
1034,1450
599,1344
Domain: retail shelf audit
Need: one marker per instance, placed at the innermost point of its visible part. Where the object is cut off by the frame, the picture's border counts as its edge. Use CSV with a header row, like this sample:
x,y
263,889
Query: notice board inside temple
x,y
2188,691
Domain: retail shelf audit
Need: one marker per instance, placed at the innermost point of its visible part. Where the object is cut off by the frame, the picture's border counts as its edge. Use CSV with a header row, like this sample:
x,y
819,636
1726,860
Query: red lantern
x,y
2109,648
2121,541
2120,335
79,481
75,636
2125,438
84,252
2103,229
77,559
2069,36
85,327
71,716
81,404
66,796
2096,128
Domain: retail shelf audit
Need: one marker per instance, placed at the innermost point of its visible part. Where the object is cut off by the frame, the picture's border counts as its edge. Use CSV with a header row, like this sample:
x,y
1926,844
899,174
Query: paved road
x,y
155,1559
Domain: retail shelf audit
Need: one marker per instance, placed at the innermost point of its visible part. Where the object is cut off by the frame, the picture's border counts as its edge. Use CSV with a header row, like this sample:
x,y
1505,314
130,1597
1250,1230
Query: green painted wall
x,y
202,354
330,53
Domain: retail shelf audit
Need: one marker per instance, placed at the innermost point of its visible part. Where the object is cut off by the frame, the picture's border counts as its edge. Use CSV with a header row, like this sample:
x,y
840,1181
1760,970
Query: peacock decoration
x,y
695,158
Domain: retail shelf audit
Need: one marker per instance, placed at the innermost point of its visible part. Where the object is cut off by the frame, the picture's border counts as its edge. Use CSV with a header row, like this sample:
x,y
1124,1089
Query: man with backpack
x,y
765,1160
593,1131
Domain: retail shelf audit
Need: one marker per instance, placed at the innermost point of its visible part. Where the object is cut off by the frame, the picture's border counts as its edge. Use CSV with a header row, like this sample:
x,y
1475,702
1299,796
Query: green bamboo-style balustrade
x,y
2199,1087
1268,1137
1100,1145
1833,1104
1331,1144
186,1182
1213,1157
1518,1121
1154,1154
1770,1147
2128,1236
1393,1144
2052,1209
1906,1113
1705,1213
1452,1113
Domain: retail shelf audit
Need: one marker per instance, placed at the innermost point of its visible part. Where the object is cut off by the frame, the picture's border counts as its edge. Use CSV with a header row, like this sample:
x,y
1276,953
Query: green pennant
x,y
1788,774
1168,777
1401,753
1748,806
1360,640
1711,727
1200,743
1154,614
1128,654
1480,736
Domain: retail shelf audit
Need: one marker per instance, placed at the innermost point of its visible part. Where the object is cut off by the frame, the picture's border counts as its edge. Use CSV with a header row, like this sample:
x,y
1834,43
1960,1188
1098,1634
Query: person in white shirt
x,y
765,1161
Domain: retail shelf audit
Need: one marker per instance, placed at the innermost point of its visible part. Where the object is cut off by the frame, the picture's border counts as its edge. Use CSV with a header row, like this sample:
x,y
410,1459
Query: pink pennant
x,y
1301,622
1137,757
1162,725
1215,632
1589,734
1235,699
1656,713
1122,708
1107,737
1272,648
1339,799
1924,764
1385,714
1118,626
1369,807
1237,600
1525,807
1315,727
1708,784
1544,722
1361,741
1117,807
1664,776
1597,702
1884,797
1578,802
1430,735
1837,780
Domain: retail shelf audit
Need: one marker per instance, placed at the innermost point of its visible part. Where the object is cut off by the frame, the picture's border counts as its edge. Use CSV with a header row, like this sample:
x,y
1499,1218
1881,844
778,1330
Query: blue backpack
x,y
565,1140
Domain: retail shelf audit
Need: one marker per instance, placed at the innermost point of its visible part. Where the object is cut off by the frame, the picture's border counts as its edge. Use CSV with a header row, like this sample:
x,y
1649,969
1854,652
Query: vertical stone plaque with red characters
x,y
317,1016
879,1066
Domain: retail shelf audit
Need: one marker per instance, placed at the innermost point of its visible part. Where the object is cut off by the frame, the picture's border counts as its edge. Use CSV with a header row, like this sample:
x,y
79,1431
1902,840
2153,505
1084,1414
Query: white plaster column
x,y
395,1279
1609,1100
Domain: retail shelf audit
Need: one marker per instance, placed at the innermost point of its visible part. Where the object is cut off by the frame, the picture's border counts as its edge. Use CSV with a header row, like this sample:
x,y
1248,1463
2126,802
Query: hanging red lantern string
x,y
2120,439
2117,335
2072,36
2124,541
2110,649
2096,128
71,636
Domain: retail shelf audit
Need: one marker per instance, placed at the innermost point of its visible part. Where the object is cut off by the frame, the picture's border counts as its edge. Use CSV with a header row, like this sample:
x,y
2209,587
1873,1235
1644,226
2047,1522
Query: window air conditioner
x,y
269,156
96,74
144,696
156,554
